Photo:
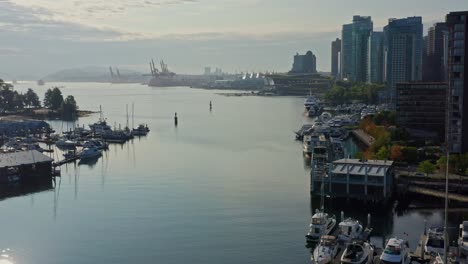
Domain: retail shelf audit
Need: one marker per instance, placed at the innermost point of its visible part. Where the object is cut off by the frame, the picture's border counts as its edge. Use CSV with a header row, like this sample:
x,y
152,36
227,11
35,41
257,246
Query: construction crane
x,y
111,72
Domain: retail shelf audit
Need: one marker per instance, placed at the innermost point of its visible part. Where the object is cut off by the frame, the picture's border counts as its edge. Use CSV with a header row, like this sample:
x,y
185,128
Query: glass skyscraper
x,y
375,58
354,52
403,44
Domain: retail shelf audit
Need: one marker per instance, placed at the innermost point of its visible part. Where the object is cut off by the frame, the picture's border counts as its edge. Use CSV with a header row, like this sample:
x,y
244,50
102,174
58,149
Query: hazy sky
x,y
42,36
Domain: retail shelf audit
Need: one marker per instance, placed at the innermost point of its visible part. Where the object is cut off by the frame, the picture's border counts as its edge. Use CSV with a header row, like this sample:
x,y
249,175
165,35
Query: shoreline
x,y
42,114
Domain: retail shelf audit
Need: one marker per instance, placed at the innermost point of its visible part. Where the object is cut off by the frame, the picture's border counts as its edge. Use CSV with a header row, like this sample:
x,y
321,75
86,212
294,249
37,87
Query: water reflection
x,y
20,189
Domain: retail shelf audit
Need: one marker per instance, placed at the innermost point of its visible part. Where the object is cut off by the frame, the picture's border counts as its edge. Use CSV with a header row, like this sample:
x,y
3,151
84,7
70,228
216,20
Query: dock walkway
x,y
363,137
439,194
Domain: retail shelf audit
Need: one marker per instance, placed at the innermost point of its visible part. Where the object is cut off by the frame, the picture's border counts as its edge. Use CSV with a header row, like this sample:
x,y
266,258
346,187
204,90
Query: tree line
x,y
346,92
12,101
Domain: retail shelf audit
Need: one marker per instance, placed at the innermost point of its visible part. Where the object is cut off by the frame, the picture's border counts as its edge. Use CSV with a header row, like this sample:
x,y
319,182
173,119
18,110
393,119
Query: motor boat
x,y
65,143
325,116
95,143
311,112
309,142
358,252
325,251
101,127
321,224
434,243
310,102
305,130
90,153
463,240
396,251
350,229
141,130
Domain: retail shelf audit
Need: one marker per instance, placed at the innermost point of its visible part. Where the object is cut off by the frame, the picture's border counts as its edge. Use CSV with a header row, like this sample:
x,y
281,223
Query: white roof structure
x,y
359,167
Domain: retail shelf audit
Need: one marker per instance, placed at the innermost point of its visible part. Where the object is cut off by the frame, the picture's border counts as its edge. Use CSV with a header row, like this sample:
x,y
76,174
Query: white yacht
x,y
396,251
309,142
65,143
463,240
326,116
321,224
90,153
358,252
350,229
434,243
325,251
310,102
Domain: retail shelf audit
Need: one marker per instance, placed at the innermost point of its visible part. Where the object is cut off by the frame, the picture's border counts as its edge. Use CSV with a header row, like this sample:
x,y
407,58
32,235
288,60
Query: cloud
x,y
38,21
72,10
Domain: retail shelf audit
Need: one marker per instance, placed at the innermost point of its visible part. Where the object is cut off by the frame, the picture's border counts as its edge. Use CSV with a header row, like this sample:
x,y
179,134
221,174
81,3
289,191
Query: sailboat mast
x,y
133,115
126,106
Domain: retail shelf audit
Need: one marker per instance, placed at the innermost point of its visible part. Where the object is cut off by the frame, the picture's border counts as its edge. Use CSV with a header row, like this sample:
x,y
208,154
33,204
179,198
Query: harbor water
x,y
225,186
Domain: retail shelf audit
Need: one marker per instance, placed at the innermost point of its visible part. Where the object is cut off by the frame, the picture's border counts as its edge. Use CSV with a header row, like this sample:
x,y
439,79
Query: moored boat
x,y
396,252
350,229
358,252
463,240
325,251
90,153
434,243
321,224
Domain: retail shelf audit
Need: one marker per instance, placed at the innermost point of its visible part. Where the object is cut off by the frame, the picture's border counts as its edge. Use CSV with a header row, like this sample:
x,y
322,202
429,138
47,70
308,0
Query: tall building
x,y
335,57
346,51
403,40
457,23
355,38
375,58
435,66
304,63
421,106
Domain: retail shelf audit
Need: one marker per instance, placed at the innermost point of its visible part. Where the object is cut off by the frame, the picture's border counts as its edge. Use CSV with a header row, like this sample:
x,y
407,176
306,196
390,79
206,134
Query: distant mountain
x,y
94,74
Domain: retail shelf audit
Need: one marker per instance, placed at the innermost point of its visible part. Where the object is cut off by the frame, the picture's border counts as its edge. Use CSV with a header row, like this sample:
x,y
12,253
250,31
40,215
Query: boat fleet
x,y
347,241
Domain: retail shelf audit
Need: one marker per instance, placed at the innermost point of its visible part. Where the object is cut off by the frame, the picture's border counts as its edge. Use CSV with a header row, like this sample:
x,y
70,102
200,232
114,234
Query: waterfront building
x,y
420,106
435,59
360,179
304,63
457,23
403,40
355,38
335,57
28,165
299,84
375,58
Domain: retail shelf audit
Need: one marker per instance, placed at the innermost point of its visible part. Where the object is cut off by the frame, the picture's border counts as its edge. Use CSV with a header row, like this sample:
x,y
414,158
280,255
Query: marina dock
x,y
365,138
438,194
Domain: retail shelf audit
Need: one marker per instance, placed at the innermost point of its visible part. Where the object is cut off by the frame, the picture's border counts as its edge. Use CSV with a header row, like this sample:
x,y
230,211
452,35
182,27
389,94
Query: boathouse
x,y
24,166
360,179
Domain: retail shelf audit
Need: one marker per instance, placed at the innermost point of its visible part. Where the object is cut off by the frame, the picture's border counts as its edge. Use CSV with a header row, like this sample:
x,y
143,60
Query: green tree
x,y
426,167
69,107
410,154
31,99
383,153
53,98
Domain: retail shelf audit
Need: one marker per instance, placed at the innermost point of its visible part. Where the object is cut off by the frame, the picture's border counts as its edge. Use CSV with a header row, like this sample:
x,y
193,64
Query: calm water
x,y
227,186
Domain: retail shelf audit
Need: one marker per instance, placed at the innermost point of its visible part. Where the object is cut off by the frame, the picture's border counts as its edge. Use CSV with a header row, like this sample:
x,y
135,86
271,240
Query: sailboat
x,y
322,223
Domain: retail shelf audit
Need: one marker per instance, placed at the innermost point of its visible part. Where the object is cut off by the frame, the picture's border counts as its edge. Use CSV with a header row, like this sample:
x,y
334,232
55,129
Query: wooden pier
x,y
439,194
363,137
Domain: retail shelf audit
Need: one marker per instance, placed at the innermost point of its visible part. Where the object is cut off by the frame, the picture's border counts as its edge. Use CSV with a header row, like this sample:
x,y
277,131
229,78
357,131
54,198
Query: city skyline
x,y
38,35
